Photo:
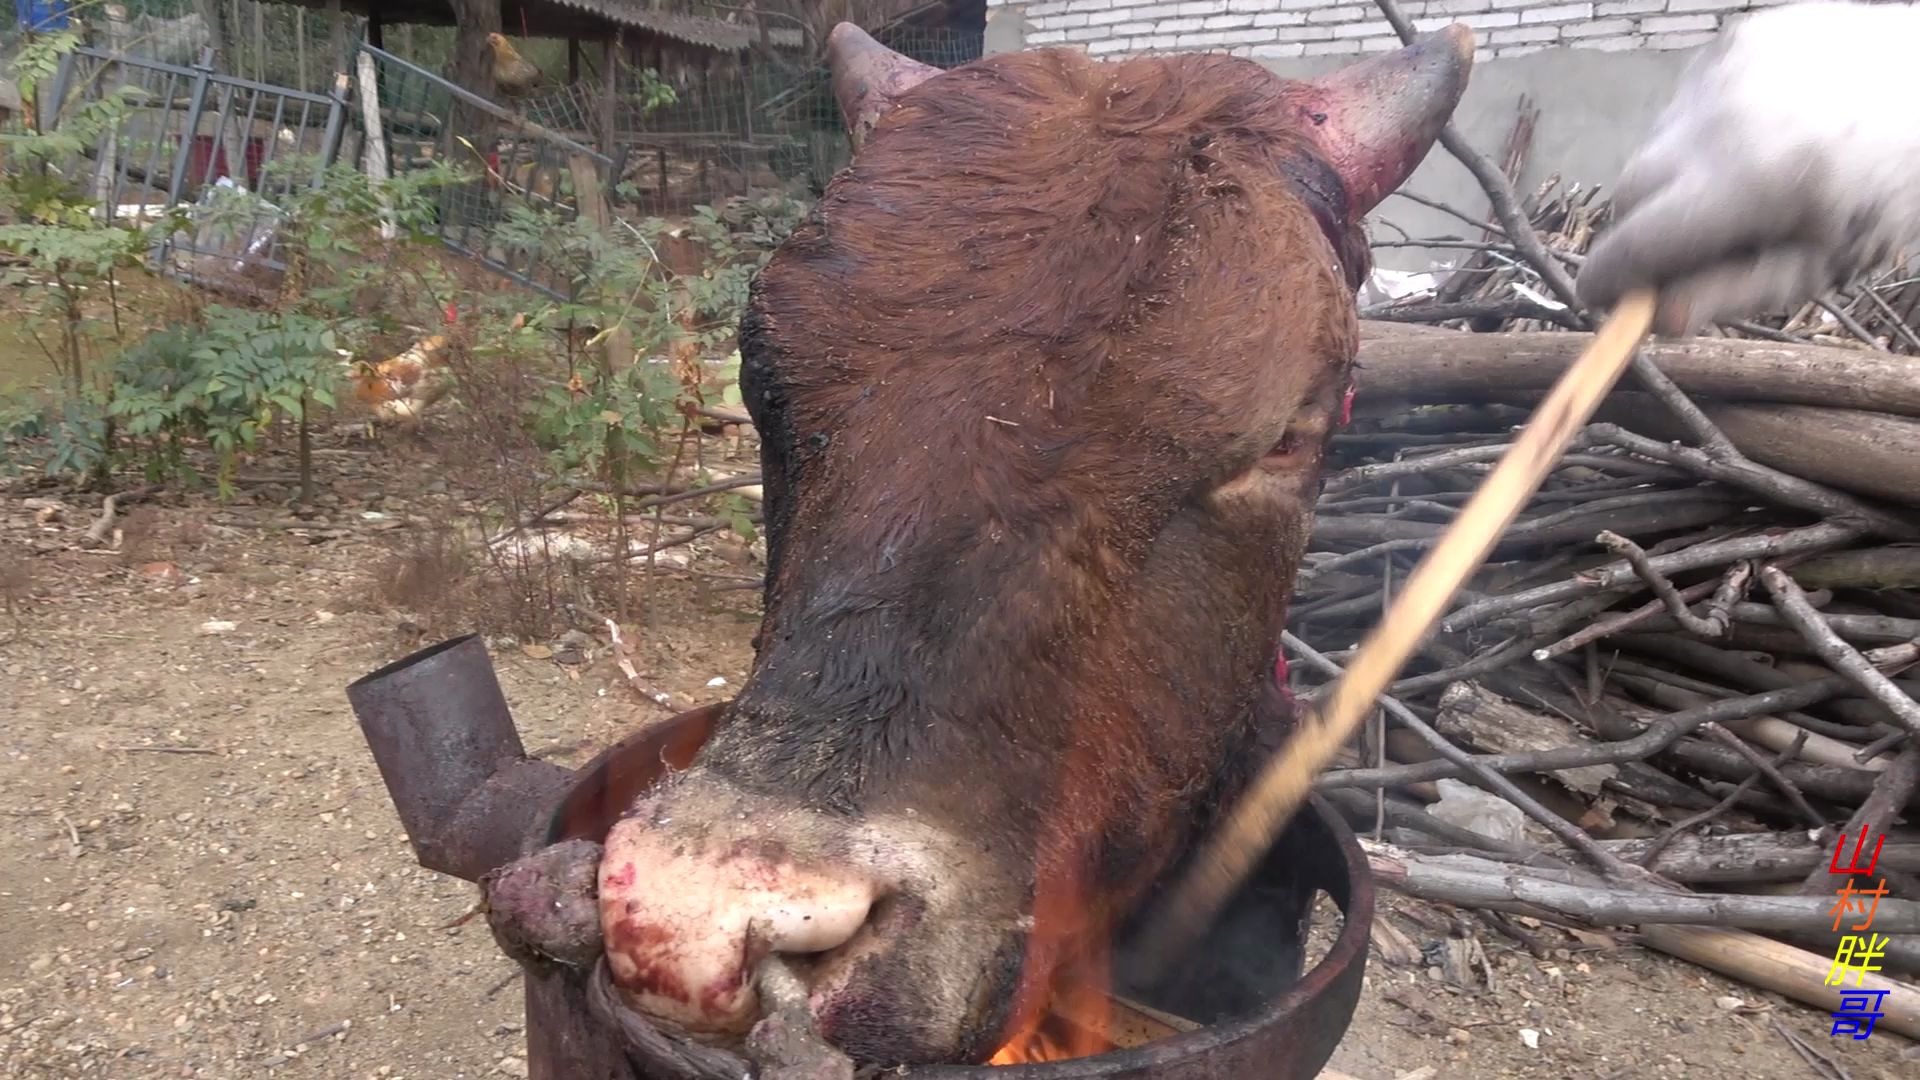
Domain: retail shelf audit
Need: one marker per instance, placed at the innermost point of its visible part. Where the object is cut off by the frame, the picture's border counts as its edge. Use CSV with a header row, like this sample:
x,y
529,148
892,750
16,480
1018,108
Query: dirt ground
x,y
201,874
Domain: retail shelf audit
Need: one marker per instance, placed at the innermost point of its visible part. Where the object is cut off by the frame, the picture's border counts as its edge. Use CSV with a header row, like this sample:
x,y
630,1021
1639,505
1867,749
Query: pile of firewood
x,y
1686,685
1691,664
1491,287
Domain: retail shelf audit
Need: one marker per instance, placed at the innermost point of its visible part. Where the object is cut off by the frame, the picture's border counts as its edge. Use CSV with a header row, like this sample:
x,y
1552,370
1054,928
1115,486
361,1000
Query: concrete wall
x,y
1597,71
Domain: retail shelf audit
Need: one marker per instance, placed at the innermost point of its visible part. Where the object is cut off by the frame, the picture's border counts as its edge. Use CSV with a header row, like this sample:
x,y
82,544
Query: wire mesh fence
x,y
703,137
512,161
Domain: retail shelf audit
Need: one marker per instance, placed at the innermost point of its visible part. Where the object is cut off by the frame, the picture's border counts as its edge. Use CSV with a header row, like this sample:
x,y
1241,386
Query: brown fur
x,y
1044,387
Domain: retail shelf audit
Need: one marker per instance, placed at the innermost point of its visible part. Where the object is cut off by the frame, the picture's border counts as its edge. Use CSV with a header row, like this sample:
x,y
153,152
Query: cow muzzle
x,y
688,919
906,940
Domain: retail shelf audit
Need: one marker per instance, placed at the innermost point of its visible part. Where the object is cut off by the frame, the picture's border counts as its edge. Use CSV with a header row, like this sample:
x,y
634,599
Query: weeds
x,y
602,392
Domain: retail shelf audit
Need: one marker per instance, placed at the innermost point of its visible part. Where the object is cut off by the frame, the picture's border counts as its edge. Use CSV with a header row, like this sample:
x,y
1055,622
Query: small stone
x,y
1530,1037
1728,1003
1459,1036
512,1066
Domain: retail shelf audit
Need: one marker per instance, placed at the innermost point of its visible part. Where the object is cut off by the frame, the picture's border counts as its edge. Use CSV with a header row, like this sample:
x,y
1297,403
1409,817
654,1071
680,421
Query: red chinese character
x,y
1860,845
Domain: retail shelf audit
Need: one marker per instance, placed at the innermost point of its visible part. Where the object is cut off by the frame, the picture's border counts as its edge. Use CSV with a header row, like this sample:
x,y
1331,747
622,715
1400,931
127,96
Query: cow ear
x,y
868,78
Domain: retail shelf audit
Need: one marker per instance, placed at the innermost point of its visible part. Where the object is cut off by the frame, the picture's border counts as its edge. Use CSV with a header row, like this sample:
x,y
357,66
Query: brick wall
x,y
1279,29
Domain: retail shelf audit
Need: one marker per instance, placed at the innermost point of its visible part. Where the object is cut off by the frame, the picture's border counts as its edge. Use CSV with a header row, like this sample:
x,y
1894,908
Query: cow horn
x,y
1376,120
868,78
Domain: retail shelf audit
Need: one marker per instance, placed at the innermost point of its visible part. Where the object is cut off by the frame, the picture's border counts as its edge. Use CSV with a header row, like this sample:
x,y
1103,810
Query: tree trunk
x,y
473,70
214,15
472,59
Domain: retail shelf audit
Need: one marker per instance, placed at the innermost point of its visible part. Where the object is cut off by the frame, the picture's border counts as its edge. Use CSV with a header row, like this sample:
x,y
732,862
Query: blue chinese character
x,y
1857,1012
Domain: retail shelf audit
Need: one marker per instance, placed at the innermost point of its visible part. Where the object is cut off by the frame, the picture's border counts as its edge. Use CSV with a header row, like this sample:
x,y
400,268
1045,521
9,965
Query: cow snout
x,y
688,919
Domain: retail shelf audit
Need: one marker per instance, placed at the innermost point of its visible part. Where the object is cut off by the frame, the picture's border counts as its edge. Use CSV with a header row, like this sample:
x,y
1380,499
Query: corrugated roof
x,y
699,30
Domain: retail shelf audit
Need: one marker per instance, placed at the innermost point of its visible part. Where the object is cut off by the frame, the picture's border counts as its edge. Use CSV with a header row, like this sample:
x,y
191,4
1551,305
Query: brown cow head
x,y
1044,386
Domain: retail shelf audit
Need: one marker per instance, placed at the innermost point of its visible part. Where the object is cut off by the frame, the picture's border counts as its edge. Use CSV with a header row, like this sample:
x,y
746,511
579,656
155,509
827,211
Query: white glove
x,y
1788,162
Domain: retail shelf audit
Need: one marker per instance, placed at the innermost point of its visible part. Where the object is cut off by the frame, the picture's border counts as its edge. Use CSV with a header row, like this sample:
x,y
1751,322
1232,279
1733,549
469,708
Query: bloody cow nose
x,y
687,919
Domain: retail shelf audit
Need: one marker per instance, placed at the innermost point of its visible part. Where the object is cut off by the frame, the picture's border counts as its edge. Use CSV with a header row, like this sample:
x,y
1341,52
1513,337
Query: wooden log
x,y
1471,881
1471,712
1783,969
1455,366
1864,452
1749,857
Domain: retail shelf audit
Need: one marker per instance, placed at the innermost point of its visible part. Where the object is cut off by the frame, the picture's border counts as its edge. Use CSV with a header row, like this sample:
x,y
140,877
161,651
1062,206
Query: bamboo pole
x,y
1284,784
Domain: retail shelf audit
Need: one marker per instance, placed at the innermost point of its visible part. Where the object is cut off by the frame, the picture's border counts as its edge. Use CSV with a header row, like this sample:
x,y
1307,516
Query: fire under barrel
x,y
1247,1004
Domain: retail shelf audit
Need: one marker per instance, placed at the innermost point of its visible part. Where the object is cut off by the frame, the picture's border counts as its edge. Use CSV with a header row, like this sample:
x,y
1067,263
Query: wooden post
x,y
106,170
573,60
300,45
375,154
1783,969
260,42
376,29
337,32
612,94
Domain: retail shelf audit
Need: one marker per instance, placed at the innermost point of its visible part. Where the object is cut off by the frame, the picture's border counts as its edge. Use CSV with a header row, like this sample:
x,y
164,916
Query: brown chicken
x,y
397,390
513,74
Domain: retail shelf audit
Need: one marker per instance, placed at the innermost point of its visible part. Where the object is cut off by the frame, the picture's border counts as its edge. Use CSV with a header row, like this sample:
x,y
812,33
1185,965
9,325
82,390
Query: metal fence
x,y
231,151
193,137
217,143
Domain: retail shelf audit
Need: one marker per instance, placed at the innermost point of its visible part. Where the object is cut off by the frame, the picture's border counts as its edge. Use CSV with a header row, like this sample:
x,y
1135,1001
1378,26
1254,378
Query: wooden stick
x,y
1285,782
1785,970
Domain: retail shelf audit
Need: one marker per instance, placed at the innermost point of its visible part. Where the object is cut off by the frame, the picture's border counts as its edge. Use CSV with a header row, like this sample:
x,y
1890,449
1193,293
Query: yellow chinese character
x,y
1858,955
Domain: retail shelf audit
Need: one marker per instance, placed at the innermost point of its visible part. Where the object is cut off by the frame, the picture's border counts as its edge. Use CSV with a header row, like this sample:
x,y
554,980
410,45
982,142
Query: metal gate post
x,y
177,177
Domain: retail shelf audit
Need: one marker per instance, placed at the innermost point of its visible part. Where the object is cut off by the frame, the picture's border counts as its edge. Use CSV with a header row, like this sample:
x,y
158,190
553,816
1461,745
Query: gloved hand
x,y
1788,163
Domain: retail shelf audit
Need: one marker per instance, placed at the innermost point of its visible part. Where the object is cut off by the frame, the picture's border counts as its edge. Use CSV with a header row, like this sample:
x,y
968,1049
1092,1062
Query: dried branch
x,y
1656,737
1626,620
102,526
1560,827
1726,802
1737,469
1770,769
1708,626
1843,657
1818,537
1515,308
1891,794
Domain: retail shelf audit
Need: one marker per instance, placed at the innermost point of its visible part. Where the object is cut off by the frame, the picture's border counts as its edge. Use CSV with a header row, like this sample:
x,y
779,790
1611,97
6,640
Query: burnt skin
x,y
1033,517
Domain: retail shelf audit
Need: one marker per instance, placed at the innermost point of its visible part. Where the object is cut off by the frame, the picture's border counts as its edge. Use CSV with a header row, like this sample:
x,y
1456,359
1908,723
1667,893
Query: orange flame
x,y
1061,1009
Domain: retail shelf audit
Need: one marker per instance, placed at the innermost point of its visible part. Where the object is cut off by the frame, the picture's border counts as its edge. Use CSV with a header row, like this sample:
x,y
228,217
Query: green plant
x,y
240,370
225,382
66,252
